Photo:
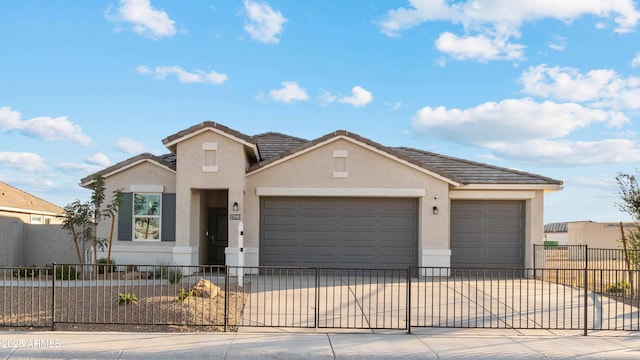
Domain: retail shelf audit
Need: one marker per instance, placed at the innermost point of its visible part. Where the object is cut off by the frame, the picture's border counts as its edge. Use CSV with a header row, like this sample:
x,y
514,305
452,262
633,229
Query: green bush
x,y
173,274
124,299
66,272
102,266
26,271
183,294
621,286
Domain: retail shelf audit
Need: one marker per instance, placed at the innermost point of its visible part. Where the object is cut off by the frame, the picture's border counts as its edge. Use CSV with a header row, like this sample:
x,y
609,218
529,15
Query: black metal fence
x,y
139,297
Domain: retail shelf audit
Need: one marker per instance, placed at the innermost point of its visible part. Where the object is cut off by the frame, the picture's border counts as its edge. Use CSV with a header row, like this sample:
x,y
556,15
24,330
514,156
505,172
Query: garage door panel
x,y
487,233
341,232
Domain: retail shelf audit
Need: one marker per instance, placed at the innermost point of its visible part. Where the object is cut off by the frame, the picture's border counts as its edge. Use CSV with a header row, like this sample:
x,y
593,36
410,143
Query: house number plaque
x,y
234,217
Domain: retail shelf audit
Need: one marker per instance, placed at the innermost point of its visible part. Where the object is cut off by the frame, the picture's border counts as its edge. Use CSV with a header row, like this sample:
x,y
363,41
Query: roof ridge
x,y
280,134
31,195
519,172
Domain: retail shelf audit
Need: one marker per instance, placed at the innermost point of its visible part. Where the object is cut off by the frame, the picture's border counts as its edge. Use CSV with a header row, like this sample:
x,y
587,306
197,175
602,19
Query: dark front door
x,y
217,235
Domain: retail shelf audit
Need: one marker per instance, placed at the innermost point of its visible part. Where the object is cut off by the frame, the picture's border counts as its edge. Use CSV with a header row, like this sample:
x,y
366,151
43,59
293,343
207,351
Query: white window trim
x,y
134,216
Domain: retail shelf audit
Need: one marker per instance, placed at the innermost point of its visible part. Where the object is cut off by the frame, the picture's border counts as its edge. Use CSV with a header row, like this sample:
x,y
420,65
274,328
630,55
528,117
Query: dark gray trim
x,y
168,217
125,218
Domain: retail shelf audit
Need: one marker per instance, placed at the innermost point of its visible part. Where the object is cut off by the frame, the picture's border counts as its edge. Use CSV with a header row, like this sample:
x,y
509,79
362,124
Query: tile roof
x,y
12,197
556,227
470,172
273,146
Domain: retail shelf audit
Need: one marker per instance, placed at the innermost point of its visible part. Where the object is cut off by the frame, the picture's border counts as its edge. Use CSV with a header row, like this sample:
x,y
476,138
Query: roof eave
x,y
546,187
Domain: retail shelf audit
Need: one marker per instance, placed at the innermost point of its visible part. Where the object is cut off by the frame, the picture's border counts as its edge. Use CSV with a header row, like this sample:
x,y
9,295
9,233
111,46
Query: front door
x,y
217,235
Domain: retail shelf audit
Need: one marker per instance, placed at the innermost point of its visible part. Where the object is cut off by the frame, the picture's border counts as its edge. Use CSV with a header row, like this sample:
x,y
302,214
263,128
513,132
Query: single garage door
x,y
339,232
487,233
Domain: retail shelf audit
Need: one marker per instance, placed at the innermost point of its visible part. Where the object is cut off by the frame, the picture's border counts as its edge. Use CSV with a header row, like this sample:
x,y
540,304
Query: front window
x,y
146,216
36,219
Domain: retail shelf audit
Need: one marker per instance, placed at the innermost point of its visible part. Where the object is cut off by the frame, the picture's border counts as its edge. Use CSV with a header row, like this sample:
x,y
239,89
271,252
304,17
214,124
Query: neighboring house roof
x,y
557,227
14,199
270,148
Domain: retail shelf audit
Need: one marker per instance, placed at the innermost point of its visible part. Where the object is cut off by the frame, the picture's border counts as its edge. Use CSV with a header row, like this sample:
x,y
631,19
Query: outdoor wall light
x,y
235,206
435,210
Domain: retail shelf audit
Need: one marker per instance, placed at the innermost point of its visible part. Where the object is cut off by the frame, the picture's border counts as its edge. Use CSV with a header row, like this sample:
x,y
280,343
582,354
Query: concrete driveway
x,y
365,302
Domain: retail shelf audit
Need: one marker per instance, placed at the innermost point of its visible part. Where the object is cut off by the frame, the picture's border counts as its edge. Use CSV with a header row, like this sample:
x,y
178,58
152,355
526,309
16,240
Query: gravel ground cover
x,y
92,305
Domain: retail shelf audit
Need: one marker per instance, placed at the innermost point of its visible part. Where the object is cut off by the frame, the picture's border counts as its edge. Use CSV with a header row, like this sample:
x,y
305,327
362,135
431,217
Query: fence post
x,y
226,297
316,316
53,297
409,300
586,288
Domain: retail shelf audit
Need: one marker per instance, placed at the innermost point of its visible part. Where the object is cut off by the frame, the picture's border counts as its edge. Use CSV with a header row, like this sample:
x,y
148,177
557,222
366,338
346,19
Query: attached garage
x,y
339,232
486,233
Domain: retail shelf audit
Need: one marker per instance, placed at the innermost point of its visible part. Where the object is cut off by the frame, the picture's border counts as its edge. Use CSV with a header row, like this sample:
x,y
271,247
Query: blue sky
x,y
548,87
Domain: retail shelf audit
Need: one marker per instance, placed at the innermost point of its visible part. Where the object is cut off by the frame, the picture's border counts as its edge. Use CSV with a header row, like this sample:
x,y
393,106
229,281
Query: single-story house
x,y
599,235
28,208
340,200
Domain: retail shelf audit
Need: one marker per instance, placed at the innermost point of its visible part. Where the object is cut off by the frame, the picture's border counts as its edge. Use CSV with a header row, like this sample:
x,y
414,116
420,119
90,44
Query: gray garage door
x,y
339,232
487,233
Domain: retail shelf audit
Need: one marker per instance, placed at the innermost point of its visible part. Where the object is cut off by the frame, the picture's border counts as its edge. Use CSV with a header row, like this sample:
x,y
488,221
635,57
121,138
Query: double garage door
x,y
487,233
364,233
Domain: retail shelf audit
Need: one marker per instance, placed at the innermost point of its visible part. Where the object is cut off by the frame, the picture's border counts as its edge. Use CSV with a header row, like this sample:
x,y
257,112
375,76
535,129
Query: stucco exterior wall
x,y
368,173
596,235
192,180
137,252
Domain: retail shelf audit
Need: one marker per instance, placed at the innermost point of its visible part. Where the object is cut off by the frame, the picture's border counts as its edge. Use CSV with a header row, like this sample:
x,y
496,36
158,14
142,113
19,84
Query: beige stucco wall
x,y
25,216
137,252
366,170
596,235
192,183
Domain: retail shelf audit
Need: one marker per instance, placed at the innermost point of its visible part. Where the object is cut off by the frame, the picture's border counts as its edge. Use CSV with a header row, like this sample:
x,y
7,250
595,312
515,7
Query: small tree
x,y
97,198
75,218
111,212
630,195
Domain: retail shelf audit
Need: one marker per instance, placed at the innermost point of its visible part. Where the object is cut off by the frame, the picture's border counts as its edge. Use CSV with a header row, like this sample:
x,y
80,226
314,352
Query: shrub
x,y
620,287
124,299
66,272
183,294
26,271
173,274
102,266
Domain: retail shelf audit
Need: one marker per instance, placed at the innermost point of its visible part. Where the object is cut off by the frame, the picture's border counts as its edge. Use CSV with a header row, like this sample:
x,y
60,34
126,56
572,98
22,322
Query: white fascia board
x,y
28,211
545,187
492,194
254,147
378,151
341,192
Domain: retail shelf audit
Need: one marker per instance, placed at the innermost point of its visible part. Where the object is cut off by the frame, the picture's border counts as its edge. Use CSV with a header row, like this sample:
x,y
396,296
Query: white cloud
x,y
600,88
394,106
327,97
636,60
43,127
528,131
558,43
145,20
130,146
265,24
289,92
75,168
473,14
25,161
359,97
184,77
480,47
99,159
569,153
489,25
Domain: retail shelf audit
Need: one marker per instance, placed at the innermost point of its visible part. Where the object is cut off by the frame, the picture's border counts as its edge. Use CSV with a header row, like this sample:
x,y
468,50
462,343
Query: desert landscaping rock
x,y
205,289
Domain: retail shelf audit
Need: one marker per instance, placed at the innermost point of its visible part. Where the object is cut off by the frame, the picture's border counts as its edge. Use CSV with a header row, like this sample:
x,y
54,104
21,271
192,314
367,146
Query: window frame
x,y
135,216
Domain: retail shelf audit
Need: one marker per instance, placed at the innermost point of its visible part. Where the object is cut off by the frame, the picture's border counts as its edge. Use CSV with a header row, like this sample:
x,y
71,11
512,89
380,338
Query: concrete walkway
x,y
278,344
